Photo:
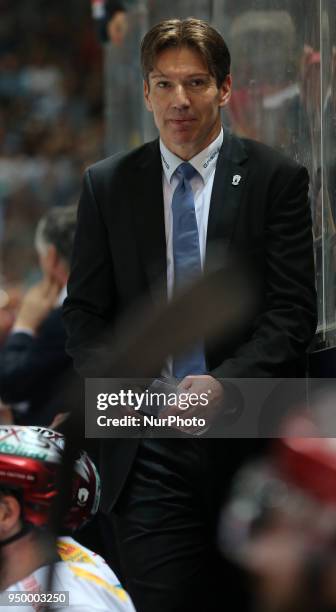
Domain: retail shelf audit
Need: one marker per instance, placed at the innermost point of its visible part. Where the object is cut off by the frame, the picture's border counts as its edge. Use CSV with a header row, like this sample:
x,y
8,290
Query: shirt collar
x,y
203,162
62,295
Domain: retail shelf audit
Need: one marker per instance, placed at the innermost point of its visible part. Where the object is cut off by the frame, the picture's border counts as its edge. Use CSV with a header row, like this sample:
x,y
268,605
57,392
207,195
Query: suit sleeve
x,y
26,362
286,324
90,305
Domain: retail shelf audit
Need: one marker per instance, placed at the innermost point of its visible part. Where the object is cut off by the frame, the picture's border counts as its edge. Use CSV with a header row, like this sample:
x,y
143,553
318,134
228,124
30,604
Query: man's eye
x,y
197,82
162,84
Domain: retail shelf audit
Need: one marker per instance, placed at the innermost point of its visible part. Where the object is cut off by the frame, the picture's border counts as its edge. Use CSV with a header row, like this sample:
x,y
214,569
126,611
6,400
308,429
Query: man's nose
x,y
181,98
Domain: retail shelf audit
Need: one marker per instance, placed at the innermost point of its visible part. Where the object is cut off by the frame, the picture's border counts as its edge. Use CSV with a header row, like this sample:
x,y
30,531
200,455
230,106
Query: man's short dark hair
x,y
113,7
12,491
57,227
193,33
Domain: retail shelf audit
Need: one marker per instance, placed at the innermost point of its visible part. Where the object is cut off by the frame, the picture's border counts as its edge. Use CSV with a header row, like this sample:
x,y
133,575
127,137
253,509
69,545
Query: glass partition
x,y
283,67
276,53
128,123
327,201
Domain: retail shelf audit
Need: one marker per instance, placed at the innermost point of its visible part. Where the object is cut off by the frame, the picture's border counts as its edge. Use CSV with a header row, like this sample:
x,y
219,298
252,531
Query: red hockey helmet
x,y
309,463
29,463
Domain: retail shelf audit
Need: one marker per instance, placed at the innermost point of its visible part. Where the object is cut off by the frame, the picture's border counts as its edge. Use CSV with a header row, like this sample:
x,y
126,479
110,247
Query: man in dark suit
x,y
33,357
163,495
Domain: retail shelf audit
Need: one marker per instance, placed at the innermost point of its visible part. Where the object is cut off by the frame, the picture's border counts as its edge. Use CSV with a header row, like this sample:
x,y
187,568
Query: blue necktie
x,y
187,259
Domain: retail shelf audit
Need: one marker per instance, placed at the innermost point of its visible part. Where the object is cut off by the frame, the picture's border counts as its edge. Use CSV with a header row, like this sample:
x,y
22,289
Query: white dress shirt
x,y
90,582
201,184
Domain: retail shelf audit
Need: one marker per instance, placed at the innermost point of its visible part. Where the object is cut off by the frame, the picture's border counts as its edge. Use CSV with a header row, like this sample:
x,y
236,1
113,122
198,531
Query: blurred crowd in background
x,y
51,121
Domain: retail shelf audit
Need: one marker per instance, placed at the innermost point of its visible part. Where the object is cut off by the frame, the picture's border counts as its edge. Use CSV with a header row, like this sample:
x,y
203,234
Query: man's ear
x,y
146,91
10,512
225,90
53,255
49,261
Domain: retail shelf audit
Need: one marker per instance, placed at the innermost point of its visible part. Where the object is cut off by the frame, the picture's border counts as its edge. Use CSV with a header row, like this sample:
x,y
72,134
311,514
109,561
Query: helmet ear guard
x,y
30,458
85,493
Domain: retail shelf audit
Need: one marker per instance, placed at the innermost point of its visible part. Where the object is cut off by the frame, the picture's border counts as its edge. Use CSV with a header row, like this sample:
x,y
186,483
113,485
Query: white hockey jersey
x,y
92,585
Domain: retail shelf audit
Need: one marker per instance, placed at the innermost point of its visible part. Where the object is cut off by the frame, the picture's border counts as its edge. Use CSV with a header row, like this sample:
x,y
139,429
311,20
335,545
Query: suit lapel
x,y
148,209
148,212
229,183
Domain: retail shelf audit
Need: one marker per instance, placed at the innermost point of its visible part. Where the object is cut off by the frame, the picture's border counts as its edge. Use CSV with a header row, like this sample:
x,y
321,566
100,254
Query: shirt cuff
x,y
22,330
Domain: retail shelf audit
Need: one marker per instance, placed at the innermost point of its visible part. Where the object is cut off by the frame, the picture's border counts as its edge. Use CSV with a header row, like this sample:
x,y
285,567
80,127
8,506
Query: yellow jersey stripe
x,y
116,590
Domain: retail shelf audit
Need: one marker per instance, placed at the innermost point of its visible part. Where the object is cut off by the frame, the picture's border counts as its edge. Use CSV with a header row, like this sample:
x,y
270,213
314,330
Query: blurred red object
x,y
309,463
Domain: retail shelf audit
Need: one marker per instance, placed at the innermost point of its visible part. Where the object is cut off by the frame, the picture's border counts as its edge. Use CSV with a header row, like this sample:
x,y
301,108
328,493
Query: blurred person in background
x,y
197,185
116,22
29,464
10,300
33,357
110,17
279,523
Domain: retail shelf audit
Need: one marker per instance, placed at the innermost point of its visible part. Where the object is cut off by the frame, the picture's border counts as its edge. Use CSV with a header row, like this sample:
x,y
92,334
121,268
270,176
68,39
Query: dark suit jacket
x,y
31,367
120,254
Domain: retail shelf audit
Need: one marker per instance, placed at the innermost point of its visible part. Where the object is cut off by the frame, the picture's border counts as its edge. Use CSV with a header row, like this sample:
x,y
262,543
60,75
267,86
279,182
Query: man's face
x,y
117,28
185,100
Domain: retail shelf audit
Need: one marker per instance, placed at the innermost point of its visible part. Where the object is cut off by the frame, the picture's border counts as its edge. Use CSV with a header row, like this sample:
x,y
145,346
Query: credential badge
x,y
236,179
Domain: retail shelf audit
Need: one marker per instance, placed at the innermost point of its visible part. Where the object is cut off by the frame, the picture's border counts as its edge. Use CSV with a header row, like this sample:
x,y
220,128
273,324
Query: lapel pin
x,y
236,179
